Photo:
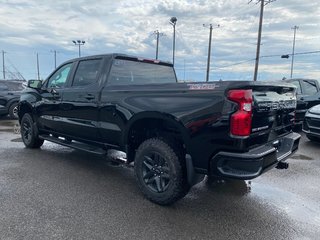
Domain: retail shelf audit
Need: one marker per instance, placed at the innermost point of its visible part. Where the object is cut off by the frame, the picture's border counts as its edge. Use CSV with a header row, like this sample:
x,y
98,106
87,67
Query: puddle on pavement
x,y
298,208
301,157
230,187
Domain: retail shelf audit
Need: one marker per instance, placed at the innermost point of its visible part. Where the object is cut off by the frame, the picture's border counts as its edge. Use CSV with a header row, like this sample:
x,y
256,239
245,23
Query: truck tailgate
x,y
273,113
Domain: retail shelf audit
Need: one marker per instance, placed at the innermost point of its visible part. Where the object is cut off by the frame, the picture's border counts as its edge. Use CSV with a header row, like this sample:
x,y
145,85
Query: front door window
x,y
59,78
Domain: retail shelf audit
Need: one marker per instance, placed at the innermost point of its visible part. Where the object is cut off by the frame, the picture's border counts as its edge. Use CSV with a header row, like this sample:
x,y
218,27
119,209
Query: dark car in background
x,y
10,92
308,95
311,123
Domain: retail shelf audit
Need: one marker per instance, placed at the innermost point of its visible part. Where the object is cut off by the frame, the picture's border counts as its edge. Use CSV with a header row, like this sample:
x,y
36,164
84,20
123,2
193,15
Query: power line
x,y
218,67
249,60
13,75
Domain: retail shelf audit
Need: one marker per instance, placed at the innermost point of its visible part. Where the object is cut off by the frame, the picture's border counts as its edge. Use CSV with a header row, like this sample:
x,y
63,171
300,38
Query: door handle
x,y
89,97
54,92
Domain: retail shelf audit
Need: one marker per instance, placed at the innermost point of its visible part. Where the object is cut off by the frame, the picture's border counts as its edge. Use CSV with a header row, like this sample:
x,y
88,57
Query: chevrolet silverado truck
x,y
172,133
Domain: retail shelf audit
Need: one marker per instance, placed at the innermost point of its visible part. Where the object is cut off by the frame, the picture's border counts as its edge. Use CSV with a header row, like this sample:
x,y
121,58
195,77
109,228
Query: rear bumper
x,y
255,162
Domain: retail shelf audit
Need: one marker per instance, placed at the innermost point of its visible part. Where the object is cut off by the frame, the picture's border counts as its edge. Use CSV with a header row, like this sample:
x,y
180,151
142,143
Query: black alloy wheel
x,y
28,132
160,171
156,172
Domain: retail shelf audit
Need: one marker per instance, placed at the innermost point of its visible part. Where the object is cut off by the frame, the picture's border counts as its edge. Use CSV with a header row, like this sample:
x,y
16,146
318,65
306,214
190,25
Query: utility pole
x,y
184,69
38,71
262,4
209,51
158,34
55,58
293,47
3,68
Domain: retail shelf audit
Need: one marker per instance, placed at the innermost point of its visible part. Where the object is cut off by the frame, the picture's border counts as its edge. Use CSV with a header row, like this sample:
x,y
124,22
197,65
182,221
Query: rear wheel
x,y
28,132
13,111
160,171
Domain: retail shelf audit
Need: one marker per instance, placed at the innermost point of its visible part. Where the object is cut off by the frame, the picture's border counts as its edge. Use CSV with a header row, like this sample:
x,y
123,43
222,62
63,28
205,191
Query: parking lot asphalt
x,y
59,193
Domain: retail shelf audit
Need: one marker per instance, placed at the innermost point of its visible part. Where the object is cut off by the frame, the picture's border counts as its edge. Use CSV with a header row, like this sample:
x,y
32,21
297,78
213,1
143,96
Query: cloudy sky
x,y
28,27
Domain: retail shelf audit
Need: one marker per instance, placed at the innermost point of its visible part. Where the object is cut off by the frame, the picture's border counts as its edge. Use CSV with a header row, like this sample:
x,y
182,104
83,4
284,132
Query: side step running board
x,y
75,145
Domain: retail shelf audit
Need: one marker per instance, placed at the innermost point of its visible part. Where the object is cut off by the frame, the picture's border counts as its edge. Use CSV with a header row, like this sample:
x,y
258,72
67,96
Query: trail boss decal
x,y
202,86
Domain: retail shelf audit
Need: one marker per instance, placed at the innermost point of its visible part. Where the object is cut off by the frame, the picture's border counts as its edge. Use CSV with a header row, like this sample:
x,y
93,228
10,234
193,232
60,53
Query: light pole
x,y
173,22
293,47
79,43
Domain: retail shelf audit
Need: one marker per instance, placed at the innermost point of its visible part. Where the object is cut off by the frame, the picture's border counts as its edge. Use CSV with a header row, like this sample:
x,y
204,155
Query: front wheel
x,y
160,171
28,132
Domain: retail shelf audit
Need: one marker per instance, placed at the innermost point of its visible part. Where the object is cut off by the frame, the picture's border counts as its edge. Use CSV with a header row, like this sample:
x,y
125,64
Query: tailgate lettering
x,y
267,106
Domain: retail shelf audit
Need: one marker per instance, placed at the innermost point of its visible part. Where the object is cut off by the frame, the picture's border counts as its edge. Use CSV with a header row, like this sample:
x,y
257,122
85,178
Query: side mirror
x,y
36,84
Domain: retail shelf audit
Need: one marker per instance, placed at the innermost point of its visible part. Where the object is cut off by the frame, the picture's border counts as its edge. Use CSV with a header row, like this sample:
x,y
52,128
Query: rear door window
x,y
87,72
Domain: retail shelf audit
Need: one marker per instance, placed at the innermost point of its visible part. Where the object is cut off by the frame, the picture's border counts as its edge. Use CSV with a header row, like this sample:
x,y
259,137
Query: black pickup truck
x,y
173,133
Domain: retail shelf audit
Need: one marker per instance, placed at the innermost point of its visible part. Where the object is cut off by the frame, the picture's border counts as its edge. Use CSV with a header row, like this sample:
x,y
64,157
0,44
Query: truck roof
x,y
126,57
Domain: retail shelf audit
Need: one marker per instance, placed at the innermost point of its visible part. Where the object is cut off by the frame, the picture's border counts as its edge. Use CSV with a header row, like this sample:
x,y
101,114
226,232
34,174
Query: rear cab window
x,y
135,72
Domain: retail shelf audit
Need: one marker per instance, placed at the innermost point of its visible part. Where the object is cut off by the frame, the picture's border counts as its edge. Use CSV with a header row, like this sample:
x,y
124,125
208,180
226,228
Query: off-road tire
x,y
29,134
13,111
166,167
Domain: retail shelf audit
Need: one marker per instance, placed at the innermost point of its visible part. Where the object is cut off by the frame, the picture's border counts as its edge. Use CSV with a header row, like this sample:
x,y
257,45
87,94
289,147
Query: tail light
x,y
240,124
